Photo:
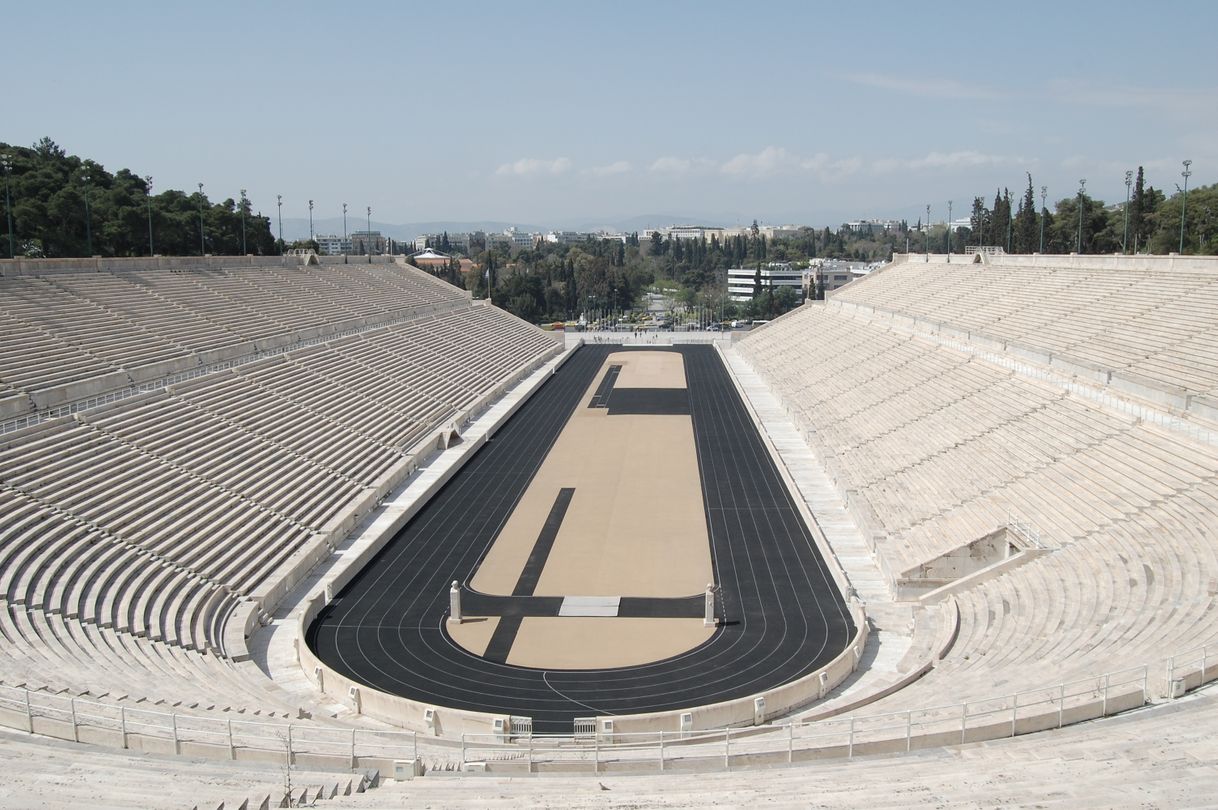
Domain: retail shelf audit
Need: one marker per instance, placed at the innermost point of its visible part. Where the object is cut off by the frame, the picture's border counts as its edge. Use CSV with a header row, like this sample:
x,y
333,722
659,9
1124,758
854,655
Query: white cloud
x,y
963,159
1186,102
768,161
679,165
922,87
531,166
830,168
617,167
775,160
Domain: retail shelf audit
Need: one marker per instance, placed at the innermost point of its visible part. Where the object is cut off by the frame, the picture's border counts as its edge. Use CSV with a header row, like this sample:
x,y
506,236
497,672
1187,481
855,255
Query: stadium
x,y
291,530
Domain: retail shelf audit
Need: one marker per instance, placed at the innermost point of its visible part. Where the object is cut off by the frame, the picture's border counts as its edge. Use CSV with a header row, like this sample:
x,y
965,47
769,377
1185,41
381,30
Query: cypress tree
x,y
1027,237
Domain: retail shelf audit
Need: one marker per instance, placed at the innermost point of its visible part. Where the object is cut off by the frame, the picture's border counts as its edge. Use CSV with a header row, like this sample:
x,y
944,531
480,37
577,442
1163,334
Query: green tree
x,y
1027,235
64,205
1200,227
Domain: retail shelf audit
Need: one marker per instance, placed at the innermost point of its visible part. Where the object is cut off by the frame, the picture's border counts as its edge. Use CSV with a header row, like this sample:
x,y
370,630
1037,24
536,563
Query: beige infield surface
x,y
635,526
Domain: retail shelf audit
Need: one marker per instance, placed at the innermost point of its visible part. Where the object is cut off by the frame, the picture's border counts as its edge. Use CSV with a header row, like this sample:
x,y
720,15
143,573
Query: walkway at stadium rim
x,y
783,615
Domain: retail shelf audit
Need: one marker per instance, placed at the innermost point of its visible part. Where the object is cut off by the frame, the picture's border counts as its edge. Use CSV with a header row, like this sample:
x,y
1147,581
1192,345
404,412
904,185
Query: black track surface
x,y
783,615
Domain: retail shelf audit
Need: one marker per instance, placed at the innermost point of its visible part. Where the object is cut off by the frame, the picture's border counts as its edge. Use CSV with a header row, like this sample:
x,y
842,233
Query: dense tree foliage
x,y
1081,223
63,206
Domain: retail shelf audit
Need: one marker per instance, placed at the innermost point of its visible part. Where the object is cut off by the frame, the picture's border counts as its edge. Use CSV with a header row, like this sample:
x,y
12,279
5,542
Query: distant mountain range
x,y
298,227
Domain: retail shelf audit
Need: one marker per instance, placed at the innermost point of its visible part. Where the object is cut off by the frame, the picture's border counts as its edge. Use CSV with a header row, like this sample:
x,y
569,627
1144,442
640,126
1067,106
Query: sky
x,y
557,113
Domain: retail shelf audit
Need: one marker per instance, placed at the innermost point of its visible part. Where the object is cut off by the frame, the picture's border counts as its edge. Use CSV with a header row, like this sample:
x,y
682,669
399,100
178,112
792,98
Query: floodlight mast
x,y
1125,239
1082,185
949,231
148,194
926,225
202,240
1184,202
6,162
1044,192
88,216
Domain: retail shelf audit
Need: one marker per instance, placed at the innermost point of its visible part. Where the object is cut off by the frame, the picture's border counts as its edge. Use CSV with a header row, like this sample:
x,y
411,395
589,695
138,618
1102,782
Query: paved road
x,y
784,616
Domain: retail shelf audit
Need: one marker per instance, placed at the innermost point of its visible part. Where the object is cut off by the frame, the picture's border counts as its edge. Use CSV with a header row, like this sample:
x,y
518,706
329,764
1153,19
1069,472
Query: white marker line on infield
x,y
589,605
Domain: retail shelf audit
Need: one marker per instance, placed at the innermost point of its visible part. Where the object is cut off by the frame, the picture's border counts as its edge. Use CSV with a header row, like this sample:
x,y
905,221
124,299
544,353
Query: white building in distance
x,y
368,242
833,274
333,245
742,280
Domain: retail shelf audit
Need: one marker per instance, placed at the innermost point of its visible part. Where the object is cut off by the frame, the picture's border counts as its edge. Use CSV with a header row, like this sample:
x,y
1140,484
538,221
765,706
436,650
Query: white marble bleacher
x,y
336,444
1126,508
148,501
943,446
68,328
73,319
1155,323
46,773
131,533
1135,592
32,358
201,292
278,306
429,392
138,304
301,377
254,468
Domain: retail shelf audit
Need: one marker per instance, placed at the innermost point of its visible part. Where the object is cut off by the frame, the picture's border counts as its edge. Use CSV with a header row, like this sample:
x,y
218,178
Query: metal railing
x,y
236,737
1026,529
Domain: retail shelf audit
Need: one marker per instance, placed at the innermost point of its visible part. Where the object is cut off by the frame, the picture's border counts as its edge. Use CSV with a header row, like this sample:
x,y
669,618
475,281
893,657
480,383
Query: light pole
x,y
244,252
310,220
88,217
1184,202
6,160
926,225
344,228
1044,212
949,231
148,194
1125,238
369,239
1082,186
279,202
202,238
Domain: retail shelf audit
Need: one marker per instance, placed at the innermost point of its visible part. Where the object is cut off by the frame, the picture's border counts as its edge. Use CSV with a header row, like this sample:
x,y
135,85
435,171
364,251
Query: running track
x,y
784,617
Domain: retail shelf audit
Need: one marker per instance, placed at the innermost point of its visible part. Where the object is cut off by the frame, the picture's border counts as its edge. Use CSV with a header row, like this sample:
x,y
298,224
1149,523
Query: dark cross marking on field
x,y
649,402
634,607
601,398
523,602
500,645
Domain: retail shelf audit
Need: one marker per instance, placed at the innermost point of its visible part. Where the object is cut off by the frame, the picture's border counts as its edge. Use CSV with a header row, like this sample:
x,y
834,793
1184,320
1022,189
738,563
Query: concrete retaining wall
x,y
779,701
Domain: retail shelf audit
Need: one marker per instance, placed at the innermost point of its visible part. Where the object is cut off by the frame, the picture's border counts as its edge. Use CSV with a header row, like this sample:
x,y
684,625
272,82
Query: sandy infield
x,y
636,526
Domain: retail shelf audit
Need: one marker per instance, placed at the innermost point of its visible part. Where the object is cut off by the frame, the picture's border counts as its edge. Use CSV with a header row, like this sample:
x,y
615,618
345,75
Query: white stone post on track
x,y
708,617
454,603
